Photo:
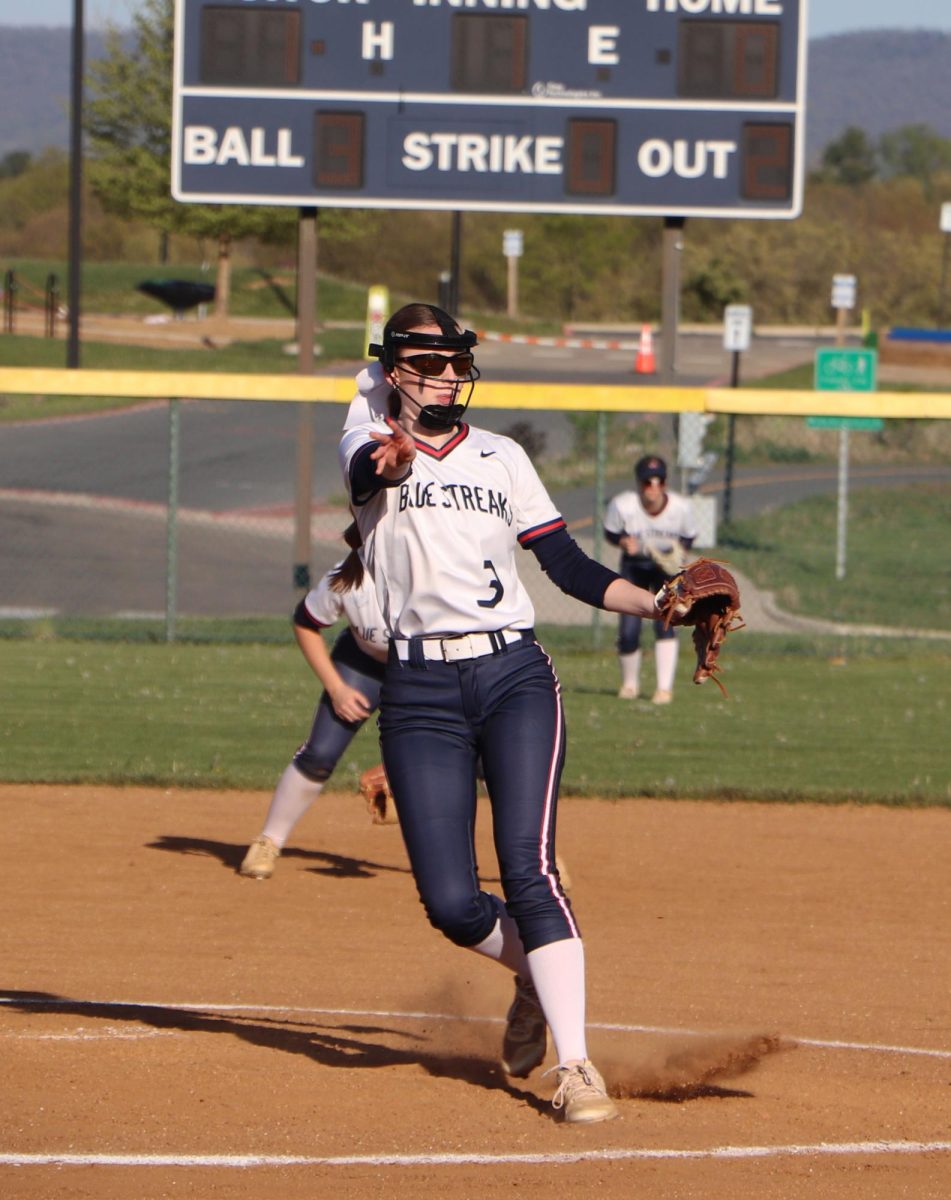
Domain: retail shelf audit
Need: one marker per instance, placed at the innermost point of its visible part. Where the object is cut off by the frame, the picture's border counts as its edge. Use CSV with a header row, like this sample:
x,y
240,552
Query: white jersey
x,y
441,544
627,515
359,605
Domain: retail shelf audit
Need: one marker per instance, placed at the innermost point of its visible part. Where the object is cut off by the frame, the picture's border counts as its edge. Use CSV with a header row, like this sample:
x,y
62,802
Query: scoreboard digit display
x,y
623,107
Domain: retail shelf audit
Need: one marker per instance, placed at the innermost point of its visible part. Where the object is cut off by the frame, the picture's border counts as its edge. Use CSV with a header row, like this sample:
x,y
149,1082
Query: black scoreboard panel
x,y
611,106
728,60
249,47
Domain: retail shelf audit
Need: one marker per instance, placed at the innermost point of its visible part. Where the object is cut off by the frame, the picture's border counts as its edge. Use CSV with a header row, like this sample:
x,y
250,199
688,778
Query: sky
x,y
825,16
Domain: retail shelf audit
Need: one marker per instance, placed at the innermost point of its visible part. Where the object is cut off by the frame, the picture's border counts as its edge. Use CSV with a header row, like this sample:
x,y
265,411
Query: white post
x,y
512,246
843,514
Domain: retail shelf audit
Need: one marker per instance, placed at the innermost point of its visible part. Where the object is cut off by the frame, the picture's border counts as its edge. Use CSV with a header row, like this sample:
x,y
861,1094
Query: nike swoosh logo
x,y
486,453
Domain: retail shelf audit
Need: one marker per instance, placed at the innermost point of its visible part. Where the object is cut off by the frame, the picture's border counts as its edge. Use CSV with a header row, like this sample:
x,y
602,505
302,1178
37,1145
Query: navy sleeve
x,y
613,538
569,568
303,618
364,481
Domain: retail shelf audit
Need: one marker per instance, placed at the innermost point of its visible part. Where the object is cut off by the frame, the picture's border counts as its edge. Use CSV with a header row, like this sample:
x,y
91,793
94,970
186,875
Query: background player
x,y
352,676
653,528
443,508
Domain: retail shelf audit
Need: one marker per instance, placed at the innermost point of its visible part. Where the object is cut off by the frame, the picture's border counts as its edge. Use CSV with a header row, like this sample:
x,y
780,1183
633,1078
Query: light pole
x,y
75,186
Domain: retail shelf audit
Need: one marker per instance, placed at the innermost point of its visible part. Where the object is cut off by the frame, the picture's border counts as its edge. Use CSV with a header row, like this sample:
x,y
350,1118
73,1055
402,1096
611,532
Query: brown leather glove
x,y
706,596
375,788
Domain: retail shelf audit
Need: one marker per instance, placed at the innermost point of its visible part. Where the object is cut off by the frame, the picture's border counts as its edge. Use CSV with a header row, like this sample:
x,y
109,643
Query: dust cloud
x,y
688,1066
674,1067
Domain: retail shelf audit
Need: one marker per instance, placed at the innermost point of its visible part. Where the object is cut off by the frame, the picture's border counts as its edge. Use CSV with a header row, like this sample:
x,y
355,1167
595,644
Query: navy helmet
x,y
650,467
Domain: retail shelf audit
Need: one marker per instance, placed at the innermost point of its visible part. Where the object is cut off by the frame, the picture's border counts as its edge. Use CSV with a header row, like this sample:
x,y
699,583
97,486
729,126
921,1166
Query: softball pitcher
x,y
443,508
352,676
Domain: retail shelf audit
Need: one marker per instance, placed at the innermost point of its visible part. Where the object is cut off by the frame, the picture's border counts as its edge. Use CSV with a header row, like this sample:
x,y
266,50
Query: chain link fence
x,y
169,512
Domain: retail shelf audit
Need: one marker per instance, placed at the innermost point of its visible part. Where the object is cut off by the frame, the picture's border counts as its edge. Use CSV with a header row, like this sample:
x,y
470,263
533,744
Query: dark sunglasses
x,y
434,365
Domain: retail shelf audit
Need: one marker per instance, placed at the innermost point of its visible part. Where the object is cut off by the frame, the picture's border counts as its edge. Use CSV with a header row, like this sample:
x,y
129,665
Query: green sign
x,y
841,370
873,424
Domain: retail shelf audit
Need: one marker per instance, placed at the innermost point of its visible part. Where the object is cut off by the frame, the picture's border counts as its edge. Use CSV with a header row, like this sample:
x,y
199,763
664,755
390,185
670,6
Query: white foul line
x,y
396,1014
414,1160
452,1160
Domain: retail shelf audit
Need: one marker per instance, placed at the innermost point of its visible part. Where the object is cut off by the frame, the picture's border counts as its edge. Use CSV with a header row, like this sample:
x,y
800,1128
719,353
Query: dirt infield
x,y
768,996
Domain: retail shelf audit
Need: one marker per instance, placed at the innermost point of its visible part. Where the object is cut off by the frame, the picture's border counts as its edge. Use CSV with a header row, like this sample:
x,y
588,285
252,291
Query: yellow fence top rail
x,y
340,389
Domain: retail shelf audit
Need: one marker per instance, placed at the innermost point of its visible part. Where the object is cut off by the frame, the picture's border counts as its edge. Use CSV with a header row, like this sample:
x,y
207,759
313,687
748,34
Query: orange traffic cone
x,y
645,363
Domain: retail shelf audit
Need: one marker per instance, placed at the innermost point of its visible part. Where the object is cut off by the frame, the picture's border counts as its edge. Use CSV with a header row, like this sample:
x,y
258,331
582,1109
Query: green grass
x,y
110,287
896,572
799,722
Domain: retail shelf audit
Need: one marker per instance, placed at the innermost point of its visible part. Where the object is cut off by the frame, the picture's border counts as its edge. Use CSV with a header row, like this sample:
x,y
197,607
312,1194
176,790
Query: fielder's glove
x,y
704,595
375,788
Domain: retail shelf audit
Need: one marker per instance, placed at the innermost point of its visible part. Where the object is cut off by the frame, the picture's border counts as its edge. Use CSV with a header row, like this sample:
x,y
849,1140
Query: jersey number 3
x,y
495,586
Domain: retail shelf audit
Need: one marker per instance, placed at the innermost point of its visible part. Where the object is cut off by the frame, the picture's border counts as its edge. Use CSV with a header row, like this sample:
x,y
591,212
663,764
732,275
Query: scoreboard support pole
x,y
455,263
306,319
670,297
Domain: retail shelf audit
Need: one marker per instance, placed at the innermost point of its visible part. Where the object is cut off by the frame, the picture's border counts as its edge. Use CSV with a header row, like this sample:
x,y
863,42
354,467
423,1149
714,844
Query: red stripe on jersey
x,y
443,450
532,535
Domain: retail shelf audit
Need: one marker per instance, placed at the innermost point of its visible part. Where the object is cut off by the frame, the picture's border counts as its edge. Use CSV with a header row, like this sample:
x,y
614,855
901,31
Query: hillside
x,y
878,80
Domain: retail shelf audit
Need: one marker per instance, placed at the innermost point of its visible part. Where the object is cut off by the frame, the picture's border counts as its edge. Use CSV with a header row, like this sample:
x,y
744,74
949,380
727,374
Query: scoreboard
x,y
623,107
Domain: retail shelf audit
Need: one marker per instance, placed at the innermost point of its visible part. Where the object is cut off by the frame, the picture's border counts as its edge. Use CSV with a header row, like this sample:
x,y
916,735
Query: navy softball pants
x,y
436,720
329,735
652,578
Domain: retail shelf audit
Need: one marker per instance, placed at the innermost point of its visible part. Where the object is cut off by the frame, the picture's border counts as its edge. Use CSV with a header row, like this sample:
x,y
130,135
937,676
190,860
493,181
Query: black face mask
x,y
440,418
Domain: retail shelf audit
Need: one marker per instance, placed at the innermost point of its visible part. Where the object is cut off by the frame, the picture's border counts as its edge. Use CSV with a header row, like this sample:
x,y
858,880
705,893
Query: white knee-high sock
x,y
504,943
665,656
558,974
631,669
294,794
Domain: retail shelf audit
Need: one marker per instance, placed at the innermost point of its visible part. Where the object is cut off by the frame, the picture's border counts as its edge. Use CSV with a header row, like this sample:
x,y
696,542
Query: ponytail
x,y
349,574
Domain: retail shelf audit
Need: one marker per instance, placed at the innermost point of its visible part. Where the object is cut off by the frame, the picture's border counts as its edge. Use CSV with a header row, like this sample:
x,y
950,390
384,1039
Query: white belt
x,y
463,645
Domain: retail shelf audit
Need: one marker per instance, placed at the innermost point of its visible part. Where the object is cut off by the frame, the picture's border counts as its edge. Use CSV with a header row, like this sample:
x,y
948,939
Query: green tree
x,y
128,121
916,151
14,163
710,287
40,187
850,159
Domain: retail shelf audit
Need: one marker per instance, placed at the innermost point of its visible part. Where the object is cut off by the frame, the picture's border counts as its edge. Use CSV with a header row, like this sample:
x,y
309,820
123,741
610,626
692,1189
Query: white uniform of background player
x,y
653,528
352,675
